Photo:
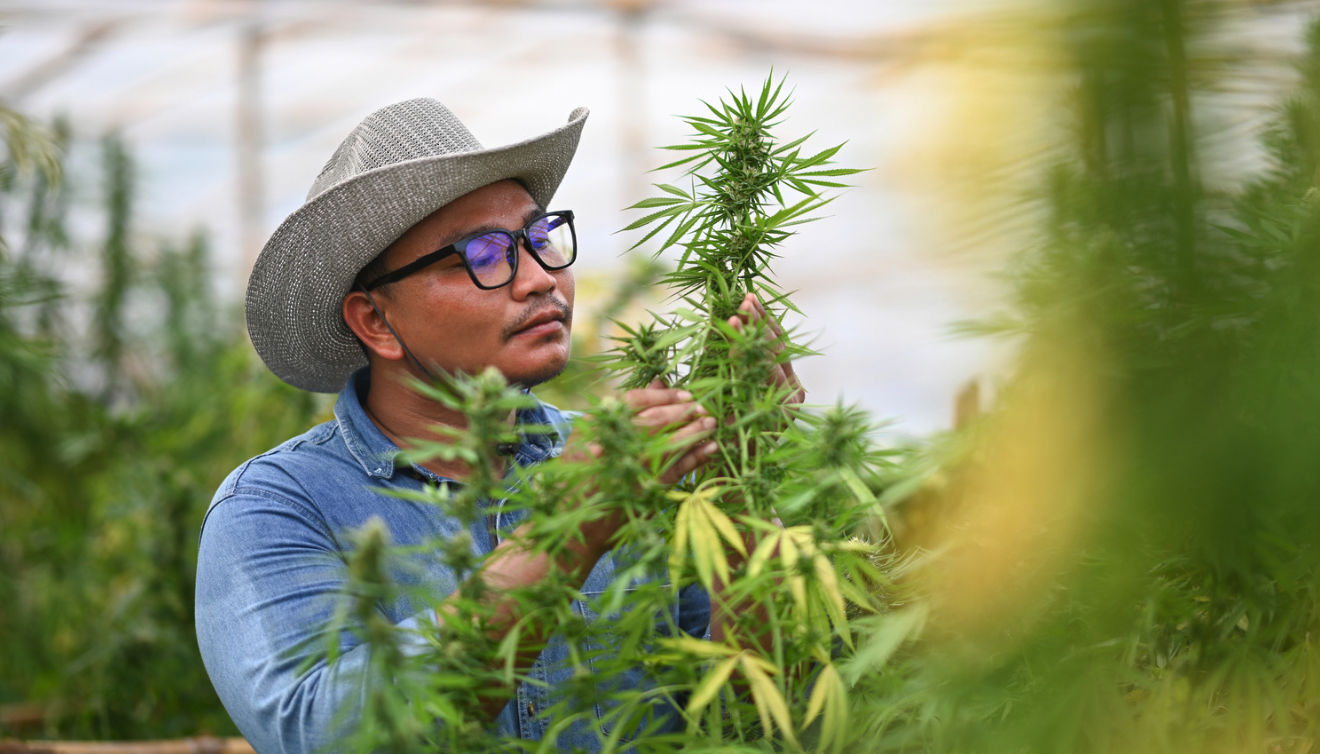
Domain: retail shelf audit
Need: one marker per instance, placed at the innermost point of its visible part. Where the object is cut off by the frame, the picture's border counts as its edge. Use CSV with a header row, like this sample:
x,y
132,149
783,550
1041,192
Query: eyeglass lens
x,y
491,255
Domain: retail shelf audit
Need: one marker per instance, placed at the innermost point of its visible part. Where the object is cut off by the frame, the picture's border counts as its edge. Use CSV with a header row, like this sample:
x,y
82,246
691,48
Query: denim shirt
x,y
271,563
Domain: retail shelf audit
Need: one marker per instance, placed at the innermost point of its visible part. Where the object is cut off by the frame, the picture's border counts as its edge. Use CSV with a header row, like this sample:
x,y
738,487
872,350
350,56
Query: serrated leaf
x,y
797,586
830,173
792,145
707,554
656,201
886,634
711,685
834,701
682,162
828,579
650,218
678,548
652,233
679,232
856,595
764,550
725,527
676,191
770,703
688,645
820,157
824,686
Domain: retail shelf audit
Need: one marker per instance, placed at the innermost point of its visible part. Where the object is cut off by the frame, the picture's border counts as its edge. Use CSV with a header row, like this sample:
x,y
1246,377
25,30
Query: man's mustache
x,y
535,311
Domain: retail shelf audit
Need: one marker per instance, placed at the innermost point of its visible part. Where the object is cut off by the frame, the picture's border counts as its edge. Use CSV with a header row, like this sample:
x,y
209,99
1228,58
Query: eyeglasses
x,y
491,257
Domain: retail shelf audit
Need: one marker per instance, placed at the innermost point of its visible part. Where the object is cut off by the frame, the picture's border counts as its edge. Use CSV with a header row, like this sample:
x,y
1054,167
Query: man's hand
x,y
658,408
782,376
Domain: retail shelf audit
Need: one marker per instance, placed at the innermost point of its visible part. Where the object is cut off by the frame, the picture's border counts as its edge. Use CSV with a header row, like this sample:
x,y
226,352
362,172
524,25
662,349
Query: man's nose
x,y
531,278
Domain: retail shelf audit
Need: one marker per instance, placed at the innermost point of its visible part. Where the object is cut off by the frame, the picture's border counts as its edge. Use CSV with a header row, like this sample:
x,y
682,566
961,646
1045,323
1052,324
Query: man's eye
x,y
485,251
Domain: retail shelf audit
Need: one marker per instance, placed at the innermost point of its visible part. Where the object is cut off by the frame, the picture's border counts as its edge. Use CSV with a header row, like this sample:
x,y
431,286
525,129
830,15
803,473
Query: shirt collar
x,y
368,445
379,456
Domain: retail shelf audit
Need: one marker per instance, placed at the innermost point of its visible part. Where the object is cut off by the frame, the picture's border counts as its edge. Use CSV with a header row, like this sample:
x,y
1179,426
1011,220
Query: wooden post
x,y
199,745
631,80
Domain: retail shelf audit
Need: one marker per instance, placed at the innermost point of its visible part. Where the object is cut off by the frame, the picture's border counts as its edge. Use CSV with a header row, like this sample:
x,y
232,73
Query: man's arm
x,y
515,564
268,572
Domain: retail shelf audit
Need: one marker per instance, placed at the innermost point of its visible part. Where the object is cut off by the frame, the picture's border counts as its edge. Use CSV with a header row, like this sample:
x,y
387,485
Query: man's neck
x,y
405,416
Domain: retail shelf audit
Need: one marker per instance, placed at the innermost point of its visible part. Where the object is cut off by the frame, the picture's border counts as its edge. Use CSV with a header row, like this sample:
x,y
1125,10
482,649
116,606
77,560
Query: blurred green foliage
x,y
1170,598
116,431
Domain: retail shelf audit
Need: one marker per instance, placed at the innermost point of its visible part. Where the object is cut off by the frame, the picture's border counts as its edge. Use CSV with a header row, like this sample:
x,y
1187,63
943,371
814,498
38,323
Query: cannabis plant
x,y
776,462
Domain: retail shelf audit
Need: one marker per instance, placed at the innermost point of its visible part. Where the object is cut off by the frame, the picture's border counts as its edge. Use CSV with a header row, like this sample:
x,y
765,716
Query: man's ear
x,y
368,325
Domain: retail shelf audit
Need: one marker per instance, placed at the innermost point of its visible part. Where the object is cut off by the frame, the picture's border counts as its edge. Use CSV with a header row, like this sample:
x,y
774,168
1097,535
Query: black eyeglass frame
x,y
519,237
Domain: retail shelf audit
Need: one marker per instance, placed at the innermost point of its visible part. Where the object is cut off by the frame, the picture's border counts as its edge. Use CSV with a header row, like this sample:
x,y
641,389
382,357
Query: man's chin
x,y
529,380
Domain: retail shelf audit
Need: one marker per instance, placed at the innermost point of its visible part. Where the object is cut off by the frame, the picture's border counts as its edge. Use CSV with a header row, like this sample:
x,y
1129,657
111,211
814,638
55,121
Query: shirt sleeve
x,y
268,575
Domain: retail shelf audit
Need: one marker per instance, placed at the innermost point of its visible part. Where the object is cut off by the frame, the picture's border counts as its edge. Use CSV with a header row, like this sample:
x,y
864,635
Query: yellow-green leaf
x,y
711,685
836,713
707,554
818,694
788,550
797,586
770,703
762,555
829,584
855,545
725,527
865,495
687,644
679,547
508,650
856,595
709,532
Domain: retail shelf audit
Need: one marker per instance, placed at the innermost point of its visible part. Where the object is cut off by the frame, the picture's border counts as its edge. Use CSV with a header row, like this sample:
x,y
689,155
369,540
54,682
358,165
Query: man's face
x,y
521,329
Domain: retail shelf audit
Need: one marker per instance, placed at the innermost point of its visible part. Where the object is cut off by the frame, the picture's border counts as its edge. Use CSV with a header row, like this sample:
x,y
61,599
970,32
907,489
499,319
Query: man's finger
x,y
760,313
757,312
685,458
692,432
689,462
752,310
781,378
648,397
668,415
782,375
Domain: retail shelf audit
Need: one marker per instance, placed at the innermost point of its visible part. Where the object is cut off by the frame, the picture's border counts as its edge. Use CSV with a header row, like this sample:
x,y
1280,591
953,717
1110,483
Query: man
x,y
418,252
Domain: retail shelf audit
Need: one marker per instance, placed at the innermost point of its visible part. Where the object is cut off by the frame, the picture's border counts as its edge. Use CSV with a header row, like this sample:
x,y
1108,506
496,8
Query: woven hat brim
x,y
297,287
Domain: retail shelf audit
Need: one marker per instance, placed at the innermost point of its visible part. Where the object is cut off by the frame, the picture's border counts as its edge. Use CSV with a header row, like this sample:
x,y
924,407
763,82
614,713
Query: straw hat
x,y
399,165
